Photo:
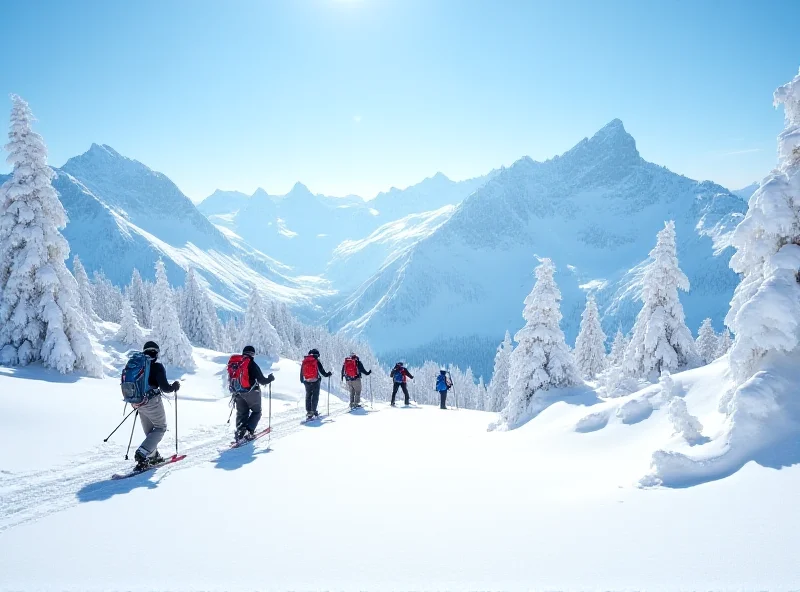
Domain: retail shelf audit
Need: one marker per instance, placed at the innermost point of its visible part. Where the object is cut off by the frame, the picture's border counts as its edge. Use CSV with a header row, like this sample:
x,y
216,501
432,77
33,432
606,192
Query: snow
x,y
449,508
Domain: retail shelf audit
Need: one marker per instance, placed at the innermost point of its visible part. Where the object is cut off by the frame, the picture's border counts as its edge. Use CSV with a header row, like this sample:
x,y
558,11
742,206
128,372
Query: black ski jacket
x,y
361,370
158,378
257,376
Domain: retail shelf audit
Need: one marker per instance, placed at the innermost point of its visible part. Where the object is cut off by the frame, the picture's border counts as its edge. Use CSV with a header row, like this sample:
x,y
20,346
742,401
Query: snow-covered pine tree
x,y
196,309
257,330
140,299
765,309
618,349
480,397
167,332
661,340
129,332
707,342
541,360
107,298
233,334
725,343
41,318
84,288
590,346
498,387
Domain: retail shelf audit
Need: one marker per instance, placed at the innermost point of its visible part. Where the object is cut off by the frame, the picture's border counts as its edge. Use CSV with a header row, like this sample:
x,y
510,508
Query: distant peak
x,y
299,190
611,142
614,126
440,176
102,150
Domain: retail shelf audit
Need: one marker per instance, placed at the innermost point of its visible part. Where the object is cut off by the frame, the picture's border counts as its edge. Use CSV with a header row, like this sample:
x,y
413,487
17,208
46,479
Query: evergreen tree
x,y
107,298
129,332
41,317
725,343
498,387
167,332
590,348
233,335
140,299
257,330
84,288
541,360
707,342
196,309
618,349
661,340
765,309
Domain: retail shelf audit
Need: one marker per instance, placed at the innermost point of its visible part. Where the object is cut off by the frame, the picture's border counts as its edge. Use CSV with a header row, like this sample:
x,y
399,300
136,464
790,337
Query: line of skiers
x,y
144,380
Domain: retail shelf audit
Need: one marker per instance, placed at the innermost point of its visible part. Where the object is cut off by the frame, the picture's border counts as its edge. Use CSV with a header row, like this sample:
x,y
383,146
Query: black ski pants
x,y
398,385
248,410
312,396
443,397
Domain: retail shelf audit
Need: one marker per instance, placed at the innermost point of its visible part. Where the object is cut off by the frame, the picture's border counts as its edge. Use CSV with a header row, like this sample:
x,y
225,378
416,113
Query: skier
x,y
248,403
443,384
310,371
352,369
399,374
151,411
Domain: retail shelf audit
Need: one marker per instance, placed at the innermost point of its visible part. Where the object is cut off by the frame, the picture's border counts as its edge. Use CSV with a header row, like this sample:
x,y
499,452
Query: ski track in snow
x,y
25,497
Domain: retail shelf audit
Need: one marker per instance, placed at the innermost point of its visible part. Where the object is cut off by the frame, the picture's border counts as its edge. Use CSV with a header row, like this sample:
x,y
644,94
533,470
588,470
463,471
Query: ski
x,y
243,441
315,418
173,459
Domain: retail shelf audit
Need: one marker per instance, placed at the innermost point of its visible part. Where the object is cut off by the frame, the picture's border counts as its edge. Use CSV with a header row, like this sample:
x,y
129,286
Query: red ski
x,y
173,459
243,441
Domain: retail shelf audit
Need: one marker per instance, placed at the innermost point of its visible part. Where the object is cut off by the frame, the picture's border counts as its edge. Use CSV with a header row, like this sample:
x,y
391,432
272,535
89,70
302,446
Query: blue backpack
x,y
135,377
397,374
441,383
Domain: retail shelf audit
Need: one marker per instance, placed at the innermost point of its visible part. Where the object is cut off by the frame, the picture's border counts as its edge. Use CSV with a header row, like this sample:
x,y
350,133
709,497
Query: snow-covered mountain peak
x,y
611,146
299,191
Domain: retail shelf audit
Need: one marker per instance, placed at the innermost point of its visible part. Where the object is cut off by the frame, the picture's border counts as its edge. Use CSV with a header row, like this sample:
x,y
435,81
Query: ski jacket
x,y
158,378
361,370
322,371
404,371
257,376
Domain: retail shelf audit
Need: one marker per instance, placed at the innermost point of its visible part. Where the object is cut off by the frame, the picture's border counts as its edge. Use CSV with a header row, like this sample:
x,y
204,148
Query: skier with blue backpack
x,y
399,375
443,384
144,379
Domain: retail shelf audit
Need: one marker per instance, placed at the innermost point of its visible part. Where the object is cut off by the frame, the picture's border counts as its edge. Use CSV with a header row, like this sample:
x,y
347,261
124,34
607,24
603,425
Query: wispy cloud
x,y
747,151
357,118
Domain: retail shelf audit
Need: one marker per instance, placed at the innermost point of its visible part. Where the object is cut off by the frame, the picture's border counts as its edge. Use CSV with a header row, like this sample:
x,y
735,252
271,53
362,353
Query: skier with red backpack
x,y
399,375
245,379
352,369
310,371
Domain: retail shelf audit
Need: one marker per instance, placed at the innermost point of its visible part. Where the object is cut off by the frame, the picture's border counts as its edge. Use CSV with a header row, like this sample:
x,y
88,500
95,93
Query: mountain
x,y
304,230
124,215
746,192
594,210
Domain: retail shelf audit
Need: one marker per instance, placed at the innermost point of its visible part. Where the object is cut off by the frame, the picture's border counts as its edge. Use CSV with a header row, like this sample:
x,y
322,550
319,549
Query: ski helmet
x,y
151,348
314,352
249,350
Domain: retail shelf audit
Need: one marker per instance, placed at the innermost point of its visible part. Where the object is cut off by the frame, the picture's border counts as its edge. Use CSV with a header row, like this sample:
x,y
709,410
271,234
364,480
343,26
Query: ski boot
x,y
141,461
155,459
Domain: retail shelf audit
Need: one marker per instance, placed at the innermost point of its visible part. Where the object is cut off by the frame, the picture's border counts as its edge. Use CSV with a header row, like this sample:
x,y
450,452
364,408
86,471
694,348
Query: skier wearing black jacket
x,y
248,405
352,369
399,374
151,411
310,371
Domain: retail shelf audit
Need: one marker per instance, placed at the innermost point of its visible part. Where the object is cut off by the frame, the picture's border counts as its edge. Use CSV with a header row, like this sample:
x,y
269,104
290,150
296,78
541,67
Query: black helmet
x,y
249,350
314,352
151,348
399,364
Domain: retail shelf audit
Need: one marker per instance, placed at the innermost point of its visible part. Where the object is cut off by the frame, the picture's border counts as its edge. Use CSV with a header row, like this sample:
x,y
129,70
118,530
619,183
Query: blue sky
x,y
356,96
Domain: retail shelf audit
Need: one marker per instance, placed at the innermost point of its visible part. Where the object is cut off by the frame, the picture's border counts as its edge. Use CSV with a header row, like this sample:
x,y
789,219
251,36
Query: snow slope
x,y
547,506
594,210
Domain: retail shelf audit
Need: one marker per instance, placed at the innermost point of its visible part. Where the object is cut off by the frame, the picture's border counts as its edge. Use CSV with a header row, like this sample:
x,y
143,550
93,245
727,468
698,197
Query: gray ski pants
x,y
154,424
248,410
354,387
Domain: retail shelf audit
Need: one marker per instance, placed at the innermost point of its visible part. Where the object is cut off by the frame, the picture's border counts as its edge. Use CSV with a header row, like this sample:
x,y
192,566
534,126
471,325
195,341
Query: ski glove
x,y
176,386
270,378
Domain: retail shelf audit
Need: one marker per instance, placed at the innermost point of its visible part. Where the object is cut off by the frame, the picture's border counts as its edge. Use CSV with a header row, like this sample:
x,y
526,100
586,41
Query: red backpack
x,y
351,368
310,369
239,374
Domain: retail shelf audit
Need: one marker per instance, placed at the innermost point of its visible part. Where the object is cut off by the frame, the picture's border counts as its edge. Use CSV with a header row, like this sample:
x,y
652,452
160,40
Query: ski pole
x,y
371,398
269,421
232,404
124,408
131,440
120,425
176,423
329,395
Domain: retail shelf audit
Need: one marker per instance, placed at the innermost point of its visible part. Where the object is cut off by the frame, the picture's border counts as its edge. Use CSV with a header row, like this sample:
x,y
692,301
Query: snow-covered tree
x,y
106,298
41,318
257,330
196,311
167,332
590,346
498,387
765,310
139,296
707,342
233,334
661,340
129,332
84,287
541,360
683,422
725,343
618,349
